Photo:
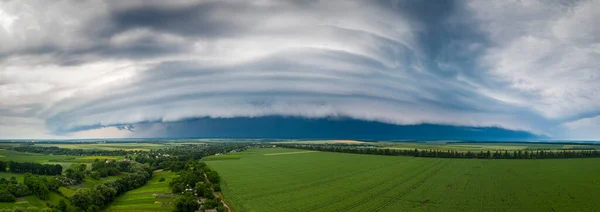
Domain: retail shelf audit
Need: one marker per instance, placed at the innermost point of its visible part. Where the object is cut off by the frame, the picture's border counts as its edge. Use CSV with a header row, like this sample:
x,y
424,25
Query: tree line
x,y
100,196
518,154
29,167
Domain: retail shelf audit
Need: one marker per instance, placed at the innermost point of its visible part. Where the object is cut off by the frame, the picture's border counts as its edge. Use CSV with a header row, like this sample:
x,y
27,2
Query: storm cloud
x,y
125,68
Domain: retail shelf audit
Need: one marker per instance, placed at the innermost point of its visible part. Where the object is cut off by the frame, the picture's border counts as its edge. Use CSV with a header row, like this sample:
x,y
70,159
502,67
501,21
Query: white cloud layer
x,y
546,53
79,66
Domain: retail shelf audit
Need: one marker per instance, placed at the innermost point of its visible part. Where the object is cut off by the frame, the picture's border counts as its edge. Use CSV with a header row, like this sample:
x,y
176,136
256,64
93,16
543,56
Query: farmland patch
x,y
326,181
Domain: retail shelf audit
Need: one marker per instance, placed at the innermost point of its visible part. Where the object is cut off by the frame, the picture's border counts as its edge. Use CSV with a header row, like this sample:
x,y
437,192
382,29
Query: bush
x,y
187,203
95,175
211,204
6,196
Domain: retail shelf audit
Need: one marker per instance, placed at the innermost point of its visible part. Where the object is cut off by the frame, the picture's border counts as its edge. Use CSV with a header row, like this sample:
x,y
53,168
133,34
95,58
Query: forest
x,y
28,167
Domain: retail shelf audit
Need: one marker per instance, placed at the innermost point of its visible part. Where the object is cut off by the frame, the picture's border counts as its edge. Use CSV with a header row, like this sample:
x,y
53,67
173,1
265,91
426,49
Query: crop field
x,y
265,180
154,196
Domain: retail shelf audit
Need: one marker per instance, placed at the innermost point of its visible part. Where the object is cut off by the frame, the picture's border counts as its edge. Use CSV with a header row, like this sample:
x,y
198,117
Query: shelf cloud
x,y
112,68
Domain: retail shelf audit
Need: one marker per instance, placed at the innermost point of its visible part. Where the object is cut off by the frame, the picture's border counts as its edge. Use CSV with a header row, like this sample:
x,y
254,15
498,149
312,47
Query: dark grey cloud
x,y
195,20
515,65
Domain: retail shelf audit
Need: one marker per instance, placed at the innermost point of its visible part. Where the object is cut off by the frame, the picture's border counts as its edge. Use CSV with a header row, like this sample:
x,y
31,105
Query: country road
x,y
217,195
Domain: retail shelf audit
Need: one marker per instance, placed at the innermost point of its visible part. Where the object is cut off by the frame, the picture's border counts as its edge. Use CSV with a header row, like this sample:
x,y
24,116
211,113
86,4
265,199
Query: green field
x,y
64,160
264,180
33,201
8,175
154,196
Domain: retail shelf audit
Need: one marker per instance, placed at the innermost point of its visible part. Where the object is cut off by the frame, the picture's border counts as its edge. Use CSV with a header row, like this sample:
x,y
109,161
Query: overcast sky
x,y
72,69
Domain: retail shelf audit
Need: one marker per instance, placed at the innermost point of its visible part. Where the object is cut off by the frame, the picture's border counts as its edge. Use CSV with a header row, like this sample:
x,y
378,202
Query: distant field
x,y
265,180
29,157
450,145
154,196
325,142
64,160
222,157
8,175
476,147
110,146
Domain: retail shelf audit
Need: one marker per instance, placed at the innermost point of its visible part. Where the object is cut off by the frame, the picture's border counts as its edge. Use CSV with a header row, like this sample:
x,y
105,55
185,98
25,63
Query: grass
x,y
154,196
222,157
264,180
8,175
90,183
24,202
33,201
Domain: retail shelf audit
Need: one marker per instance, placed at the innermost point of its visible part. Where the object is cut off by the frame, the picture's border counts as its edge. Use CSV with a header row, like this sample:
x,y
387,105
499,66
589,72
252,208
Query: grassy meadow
x,y
154,196
278,179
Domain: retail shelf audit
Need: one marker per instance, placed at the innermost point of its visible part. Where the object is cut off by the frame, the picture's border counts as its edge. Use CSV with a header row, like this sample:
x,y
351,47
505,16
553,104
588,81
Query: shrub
x,y
6,196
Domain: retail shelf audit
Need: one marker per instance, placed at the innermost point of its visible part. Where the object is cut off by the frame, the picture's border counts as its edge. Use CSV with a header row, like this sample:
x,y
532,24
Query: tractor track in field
x,y
315,183
373,185
412,187
394,186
